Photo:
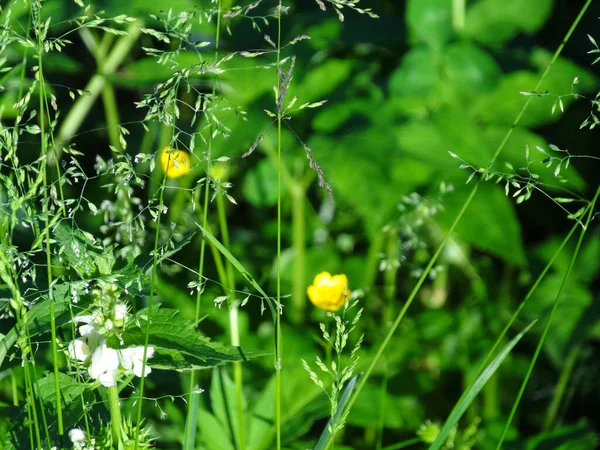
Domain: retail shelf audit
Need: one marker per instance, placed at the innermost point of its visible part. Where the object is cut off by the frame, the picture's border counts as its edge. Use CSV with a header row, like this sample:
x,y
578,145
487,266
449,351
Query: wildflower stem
x,y
150,304
192,421
457,219
233,323
278,361
46,207
298,198
115,416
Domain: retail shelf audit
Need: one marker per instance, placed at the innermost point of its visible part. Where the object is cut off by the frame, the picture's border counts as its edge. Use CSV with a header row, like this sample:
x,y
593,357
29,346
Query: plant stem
x,y
278,360
150,304
561,387
233,323
458,15
44,168
191,420
298,198
115,416
548,321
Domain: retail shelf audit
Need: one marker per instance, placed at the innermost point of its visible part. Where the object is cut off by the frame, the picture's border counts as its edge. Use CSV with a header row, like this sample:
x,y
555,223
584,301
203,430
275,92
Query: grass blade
x,y
341,410
474,389
238,265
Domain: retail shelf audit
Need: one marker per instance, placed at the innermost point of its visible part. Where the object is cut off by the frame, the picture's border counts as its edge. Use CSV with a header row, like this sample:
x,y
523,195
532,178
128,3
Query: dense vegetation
x,y
231,225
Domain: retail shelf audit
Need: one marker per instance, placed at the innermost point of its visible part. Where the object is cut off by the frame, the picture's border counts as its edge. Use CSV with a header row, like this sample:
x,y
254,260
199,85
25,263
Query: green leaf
x,y
239,267
490,222
470,394
213,433
177,344
469,69
82,251
418,75
260,184
429,21
37,319
224,402
496,21
321,80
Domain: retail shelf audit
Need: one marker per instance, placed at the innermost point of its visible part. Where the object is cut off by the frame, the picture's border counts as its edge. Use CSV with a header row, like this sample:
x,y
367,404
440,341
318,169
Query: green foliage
x,y
321,137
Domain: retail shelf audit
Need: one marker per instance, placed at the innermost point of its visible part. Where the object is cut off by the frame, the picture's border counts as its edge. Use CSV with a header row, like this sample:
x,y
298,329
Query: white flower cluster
x,y
105,362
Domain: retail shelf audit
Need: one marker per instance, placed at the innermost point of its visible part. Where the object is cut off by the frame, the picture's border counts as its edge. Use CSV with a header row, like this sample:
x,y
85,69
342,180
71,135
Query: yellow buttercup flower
x,y
175,162
329,292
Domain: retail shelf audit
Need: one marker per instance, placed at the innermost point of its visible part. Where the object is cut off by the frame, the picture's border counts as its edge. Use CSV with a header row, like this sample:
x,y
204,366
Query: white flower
x,y
132,359
120,314
76,435
104,365
79,350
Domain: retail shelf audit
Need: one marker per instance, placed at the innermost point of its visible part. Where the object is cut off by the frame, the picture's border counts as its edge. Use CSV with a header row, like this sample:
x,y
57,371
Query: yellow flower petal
x,y
175,162
329,292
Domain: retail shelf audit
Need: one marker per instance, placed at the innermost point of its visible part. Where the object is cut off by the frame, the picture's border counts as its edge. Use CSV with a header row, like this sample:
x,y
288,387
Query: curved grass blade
x,y
474,389
238,265
341,410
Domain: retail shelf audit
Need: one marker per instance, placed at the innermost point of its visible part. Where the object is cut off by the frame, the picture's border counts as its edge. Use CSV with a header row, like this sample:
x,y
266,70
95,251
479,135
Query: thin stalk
x,y
470,197
115,417
233,324
548,321
150,304
15,391
390,275
278,343
561,387
403,444
298,199
31,402
382,407
44,151
458,15
191,423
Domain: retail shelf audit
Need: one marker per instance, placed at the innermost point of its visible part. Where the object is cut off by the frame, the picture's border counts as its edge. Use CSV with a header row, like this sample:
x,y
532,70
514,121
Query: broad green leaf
x,y
82,251
70,389
490,222
213,433
37,319
260,184
429,21
501,106
418,74
224,402
177,344
472,391
496,21
469,69
321,80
